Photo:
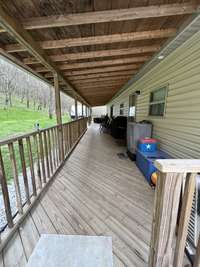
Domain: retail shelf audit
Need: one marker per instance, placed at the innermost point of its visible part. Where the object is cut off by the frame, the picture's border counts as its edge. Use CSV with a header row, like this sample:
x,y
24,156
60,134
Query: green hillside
x,y
18,120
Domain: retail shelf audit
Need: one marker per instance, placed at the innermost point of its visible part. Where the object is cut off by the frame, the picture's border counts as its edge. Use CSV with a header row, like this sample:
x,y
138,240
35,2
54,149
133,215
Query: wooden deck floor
x,y
96,193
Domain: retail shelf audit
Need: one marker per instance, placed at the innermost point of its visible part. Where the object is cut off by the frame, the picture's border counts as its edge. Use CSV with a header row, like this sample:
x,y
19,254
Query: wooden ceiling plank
x,y
153,11
97,54
131,67
109,74
95,64
95,40
16,30
123,77
93,70
99,84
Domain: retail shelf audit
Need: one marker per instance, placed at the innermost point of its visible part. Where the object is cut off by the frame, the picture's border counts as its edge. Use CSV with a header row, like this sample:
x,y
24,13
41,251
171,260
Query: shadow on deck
x,y
95,193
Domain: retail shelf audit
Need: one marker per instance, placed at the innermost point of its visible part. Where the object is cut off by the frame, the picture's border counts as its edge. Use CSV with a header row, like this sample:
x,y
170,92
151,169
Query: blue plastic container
x,y
145,162
147,145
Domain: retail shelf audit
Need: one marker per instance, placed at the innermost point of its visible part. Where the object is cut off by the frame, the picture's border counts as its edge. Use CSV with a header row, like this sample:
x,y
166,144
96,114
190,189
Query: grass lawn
x,y
19,120
15,121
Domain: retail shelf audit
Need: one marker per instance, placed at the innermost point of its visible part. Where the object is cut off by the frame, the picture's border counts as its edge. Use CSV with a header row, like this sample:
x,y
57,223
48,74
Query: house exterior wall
x,y
179,129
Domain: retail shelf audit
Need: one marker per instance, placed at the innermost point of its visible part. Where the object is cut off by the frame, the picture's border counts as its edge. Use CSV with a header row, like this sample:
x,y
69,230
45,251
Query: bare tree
x,y
18,84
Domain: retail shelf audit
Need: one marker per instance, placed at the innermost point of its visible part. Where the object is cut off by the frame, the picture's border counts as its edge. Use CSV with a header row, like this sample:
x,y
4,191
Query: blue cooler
x,y
147,145
145,161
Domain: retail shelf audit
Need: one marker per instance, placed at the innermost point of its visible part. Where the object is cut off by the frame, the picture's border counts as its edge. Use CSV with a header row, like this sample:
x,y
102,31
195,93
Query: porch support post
x,y
58,116
166,204
86,113
82,111
76,110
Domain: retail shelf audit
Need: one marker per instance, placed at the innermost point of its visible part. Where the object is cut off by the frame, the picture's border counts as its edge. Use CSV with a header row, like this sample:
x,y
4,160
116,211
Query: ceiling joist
x,y
95,40
130,67
97,84
108,16
102,79
100,63
101,75
97,54
14,28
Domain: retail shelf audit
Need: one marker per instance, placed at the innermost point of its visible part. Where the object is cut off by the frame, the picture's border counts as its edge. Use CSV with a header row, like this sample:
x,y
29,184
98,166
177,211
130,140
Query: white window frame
x,y
164,101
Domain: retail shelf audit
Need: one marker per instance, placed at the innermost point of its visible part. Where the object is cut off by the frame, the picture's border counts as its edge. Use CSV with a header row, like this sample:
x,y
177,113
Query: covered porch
x,y
74,180
94,193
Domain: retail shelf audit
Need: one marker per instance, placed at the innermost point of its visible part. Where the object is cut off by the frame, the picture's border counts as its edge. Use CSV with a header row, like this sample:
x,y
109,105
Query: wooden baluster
x,y
184,219
53,148
42,157
66,143
76,130
50,151
30,155
165,218
15,178
46,154
68,137
5,193
73,131
23,163
64,139
56,145
38,161
61,145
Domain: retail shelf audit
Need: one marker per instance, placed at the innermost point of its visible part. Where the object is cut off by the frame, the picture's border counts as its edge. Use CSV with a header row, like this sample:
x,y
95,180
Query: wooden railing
x,y
30,161
172,209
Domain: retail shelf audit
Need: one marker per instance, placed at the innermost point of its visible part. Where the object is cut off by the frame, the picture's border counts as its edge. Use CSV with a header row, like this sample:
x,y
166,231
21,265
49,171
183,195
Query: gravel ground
x,y
11,189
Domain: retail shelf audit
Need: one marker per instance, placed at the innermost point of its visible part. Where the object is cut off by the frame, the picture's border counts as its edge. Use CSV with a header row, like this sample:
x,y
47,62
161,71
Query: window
x,y
132,107
132,103
121,109
157,102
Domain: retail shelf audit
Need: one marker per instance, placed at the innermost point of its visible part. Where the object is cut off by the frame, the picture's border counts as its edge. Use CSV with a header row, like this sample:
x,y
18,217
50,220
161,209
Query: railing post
x,y
197,258
164,219
59,116
82,110
184,219
166,248
76,109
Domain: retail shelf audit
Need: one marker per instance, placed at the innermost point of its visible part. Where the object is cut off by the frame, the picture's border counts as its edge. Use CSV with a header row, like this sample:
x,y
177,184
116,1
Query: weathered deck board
x,y
96,193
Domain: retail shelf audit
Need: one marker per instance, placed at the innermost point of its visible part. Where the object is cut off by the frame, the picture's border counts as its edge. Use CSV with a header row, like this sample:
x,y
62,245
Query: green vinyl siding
x,y
179,130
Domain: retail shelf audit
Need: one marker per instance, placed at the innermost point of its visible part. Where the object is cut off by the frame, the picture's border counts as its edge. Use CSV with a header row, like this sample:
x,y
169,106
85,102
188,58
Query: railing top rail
x,y
32,133
178,165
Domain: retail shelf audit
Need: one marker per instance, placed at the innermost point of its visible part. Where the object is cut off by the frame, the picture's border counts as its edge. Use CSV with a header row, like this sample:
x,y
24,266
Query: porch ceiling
x,y
95,46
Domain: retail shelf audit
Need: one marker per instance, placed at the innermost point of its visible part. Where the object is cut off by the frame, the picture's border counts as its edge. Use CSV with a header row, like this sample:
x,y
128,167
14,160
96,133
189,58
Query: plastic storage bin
x,y
145,162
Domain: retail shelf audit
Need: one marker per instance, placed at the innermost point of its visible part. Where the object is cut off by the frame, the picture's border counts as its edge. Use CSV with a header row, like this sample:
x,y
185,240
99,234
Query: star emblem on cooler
x,y
148,146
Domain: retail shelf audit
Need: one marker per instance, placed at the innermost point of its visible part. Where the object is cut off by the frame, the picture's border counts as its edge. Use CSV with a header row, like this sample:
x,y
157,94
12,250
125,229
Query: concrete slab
x,y
72,251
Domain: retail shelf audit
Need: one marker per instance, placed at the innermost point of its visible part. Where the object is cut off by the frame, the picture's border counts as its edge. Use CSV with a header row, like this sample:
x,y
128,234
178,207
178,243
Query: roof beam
x,y
101,79
95,64
93,70
132,67
109,15
97,75
16,30
97,54
109,74
95,40
99,84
